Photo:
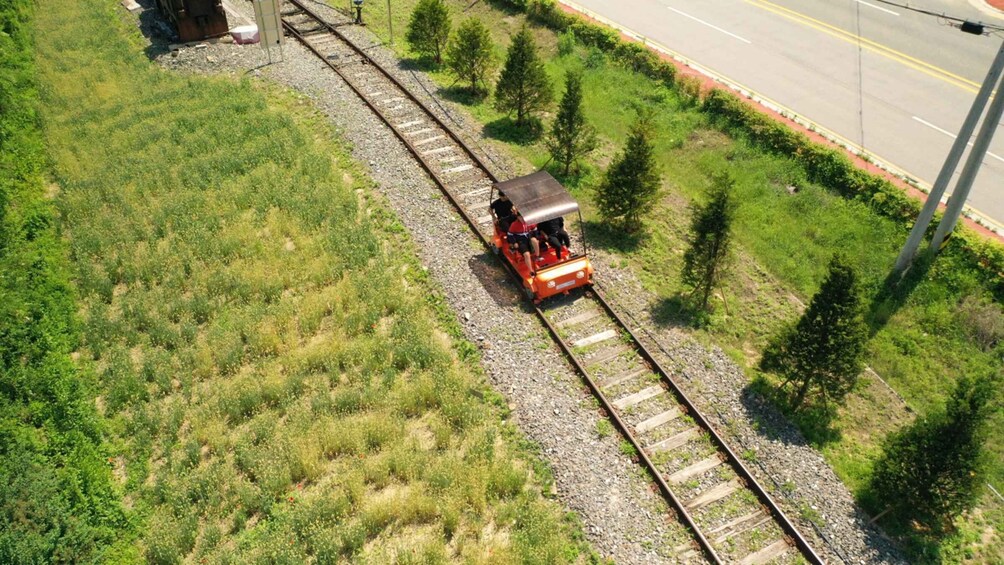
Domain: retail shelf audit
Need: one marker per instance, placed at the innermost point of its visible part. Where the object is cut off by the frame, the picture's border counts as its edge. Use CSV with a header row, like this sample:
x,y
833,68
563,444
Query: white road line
x,y
880,8
714,27
953,136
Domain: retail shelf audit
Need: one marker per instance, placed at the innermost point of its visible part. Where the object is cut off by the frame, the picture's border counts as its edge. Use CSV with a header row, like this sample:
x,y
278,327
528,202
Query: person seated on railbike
x,y
552,233
502,209
524,237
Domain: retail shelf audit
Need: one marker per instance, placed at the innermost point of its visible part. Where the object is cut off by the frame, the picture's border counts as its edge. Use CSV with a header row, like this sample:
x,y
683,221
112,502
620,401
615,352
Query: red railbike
x,y
538,197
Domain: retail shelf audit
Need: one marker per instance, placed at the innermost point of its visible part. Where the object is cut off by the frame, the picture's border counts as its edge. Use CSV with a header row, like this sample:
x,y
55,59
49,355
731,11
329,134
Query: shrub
x,y
632,183
571,138
823,352
566,43
471,55
706,259
429,28
690,89
933,470
524,87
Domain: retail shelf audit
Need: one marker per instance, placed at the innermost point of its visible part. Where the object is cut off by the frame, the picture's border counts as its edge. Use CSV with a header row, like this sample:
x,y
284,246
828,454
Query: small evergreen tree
x,y
523,87
471,54
704,263
571,137
822,352
429,29
931,471
632,183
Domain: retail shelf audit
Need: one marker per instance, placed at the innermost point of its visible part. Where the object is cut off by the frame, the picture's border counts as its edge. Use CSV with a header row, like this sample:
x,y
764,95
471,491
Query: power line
x,y
969,26
861,77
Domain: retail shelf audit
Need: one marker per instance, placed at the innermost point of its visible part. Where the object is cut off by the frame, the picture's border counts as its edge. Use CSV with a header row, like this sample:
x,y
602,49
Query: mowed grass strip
x,y
278,386
945,325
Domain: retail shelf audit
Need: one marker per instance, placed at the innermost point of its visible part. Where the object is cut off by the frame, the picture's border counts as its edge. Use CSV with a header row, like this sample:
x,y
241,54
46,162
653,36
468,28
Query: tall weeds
x,y
267,360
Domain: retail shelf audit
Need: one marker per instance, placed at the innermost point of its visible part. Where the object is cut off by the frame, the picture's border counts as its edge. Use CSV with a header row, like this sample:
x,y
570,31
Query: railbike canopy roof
x,y
538,197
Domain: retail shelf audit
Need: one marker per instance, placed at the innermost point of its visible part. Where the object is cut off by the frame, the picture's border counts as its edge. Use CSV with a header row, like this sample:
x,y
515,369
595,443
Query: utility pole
x,y
390,24
969,171
909,250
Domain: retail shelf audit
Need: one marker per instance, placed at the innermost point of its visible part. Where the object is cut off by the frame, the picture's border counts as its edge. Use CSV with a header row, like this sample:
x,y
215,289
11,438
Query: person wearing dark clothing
x,y
553,232
502,210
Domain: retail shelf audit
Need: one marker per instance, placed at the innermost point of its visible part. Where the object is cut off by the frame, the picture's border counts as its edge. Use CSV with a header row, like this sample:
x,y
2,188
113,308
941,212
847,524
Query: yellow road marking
x,y
875,47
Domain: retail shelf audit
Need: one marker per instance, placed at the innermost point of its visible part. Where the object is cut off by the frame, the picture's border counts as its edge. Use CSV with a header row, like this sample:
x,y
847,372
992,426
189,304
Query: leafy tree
x,y
471,54
524,87
931,471
704,263
429,28
632,183
571,137
822,352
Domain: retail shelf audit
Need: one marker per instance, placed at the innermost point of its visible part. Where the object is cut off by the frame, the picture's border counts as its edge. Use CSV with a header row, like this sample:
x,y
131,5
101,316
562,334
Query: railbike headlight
x,y
550,284
580,275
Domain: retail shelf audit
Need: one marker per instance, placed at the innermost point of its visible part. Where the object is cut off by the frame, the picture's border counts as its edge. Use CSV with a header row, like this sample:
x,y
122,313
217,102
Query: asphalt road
x,y
894,82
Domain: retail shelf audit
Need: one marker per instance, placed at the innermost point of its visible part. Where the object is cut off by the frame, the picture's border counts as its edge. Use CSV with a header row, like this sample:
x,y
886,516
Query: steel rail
x,y
359,51
750,482
625,430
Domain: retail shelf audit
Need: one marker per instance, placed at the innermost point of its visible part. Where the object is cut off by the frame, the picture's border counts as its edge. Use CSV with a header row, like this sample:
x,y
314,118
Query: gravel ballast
x,y
624,519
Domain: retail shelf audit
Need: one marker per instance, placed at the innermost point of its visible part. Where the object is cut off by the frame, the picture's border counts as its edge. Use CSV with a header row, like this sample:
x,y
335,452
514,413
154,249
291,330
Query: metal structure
x,y
195,19
637,393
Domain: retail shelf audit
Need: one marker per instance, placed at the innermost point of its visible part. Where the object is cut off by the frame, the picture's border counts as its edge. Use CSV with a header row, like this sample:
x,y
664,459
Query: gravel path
x,y
623,517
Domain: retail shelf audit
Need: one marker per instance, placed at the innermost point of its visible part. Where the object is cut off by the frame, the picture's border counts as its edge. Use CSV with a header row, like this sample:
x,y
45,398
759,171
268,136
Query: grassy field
x,y
58,502
279,379
947,325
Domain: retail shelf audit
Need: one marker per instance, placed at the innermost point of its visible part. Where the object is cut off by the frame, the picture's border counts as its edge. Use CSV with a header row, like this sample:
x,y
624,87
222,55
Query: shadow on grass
x,y
679,310
577,179
922,545
611,238
421,64
462,94
814,421
506,129
894,293
506,7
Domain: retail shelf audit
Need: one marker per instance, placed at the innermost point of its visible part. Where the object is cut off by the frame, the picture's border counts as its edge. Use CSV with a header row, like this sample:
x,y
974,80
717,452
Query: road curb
x,y
862,159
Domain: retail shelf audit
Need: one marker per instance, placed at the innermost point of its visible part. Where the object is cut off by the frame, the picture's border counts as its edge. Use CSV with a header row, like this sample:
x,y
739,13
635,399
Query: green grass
x,y
279,380
923,340
58,502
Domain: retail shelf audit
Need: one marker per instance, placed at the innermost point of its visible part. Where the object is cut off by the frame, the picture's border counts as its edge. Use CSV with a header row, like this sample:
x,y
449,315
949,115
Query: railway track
x,y
732,519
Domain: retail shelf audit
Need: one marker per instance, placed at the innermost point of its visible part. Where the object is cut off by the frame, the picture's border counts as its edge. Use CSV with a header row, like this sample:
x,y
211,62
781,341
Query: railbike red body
x,y
538,197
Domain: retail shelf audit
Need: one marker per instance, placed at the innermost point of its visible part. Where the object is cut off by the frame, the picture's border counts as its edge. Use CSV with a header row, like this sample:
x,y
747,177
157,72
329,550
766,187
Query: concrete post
x,y
909,250
971,168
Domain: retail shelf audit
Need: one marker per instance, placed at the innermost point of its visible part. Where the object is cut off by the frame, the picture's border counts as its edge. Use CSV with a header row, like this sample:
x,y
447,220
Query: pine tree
x,y
471,55
571,137
523,87
704,263
822,352
632,183
932,470
429,29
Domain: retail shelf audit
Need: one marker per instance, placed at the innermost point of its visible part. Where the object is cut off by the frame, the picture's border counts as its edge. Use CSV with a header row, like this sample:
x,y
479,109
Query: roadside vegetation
x,y
278,378
58,502
943,324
